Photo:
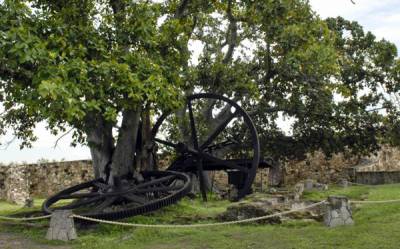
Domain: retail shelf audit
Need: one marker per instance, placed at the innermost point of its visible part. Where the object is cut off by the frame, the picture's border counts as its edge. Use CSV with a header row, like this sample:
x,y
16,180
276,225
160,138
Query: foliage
x,y
61,60
91,64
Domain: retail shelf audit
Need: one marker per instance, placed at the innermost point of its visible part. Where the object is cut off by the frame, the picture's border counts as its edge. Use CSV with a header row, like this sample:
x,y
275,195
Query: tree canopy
x,y
98,66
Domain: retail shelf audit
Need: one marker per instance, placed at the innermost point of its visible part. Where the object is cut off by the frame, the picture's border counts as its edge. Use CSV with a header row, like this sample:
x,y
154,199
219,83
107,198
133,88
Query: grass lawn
x,y
376,226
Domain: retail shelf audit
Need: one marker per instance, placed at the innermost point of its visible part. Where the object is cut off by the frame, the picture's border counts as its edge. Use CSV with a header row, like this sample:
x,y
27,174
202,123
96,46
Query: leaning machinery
x,y
220,136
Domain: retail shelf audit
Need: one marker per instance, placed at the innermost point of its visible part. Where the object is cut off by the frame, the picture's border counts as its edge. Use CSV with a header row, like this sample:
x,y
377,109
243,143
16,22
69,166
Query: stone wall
x,y
377,177
48,178
3,175
317,167
387,159
19,183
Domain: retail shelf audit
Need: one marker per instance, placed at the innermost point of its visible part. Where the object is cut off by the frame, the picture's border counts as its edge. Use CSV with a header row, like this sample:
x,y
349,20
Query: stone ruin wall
x,y
21,182
3,175
323,170
387,159
317,167
48,178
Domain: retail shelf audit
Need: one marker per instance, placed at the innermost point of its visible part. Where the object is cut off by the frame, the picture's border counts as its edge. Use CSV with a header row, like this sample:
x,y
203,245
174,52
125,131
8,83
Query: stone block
x,y
343,183
321,186
61,226
338,212
308,184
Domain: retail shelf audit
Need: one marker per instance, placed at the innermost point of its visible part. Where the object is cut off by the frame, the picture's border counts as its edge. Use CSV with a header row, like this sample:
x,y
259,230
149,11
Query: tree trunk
x,y
124,154
145,159
101,143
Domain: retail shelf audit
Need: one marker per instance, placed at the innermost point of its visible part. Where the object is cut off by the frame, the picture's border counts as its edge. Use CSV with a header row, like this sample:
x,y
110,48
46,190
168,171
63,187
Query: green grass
x,y
376,226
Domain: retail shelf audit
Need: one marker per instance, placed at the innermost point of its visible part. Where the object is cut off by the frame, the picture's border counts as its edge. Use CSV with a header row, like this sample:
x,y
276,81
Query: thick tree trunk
x,y
145,159
124,154
101,143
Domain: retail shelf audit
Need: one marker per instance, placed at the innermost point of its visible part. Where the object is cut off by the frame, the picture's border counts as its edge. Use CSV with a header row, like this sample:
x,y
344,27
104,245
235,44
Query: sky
x,y
380,17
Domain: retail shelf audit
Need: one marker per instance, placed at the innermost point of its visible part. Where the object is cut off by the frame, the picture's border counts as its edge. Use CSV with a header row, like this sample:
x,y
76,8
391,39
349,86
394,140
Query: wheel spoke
x,y
135,198
229,164
193,126
166,143
217,131
221,145
101,185
199,162
79,195
106,203
82,202
154,182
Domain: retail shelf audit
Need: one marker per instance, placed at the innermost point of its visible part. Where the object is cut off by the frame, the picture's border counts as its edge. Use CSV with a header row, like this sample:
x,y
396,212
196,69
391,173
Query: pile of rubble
x,y
275,201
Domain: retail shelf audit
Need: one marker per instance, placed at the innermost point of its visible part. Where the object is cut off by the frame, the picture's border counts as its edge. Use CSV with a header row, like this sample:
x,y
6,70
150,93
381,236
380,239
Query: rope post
x,y
61,226
298,191
343,183
308,184
338,212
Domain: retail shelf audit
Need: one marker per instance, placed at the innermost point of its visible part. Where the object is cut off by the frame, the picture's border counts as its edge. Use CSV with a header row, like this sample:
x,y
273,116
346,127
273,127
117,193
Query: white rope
x,y
25,219
361,184
196,225
383,201
193,225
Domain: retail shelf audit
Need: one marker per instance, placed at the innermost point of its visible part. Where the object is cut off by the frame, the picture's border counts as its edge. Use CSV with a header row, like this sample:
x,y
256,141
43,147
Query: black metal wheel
x,y
126,198
214,133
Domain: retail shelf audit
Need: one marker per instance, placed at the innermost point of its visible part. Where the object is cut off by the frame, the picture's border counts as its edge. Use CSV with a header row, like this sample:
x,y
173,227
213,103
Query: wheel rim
x,y
199,148
98,200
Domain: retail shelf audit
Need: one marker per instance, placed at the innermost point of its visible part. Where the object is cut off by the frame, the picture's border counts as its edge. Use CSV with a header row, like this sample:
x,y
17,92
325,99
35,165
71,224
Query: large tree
x,y
86,65
101,66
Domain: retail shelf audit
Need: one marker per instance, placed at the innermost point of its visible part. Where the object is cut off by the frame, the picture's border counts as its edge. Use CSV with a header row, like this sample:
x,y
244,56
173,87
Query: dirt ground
x,y
14,241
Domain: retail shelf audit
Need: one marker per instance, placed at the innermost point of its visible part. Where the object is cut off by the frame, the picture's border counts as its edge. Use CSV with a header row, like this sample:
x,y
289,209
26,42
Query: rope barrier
x,y
383,201
196,225
193,225
361,184
25,219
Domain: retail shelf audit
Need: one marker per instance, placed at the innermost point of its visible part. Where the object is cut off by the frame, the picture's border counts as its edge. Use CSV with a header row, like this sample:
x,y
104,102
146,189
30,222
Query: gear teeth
x,y
146,208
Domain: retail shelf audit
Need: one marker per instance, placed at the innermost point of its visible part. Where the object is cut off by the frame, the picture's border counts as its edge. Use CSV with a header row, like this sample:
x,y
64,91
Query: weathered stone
x,y
318,167
275,174
257,205
19,182
338,212
246,210
299,188
232,192
343,183
28,203
321,186
61,226
308,184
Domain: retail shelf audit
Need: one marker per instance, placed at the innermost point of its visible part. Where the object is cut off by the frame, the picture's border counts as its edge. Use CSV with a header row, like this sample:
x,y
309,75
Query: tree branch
x,y
231,36
181,9
8,143
63,135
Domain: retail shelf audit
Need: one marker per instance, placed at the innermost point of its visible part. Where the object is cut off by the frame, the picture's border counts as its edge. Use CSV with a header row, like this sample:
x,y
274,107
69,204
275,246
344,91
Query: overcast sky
x,y
381,17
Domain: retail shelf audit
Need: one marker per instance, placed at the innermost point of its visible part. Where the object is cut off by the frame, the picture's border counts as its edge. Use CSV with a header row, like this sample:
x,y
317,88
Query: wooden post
x,y
338,212
61,226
